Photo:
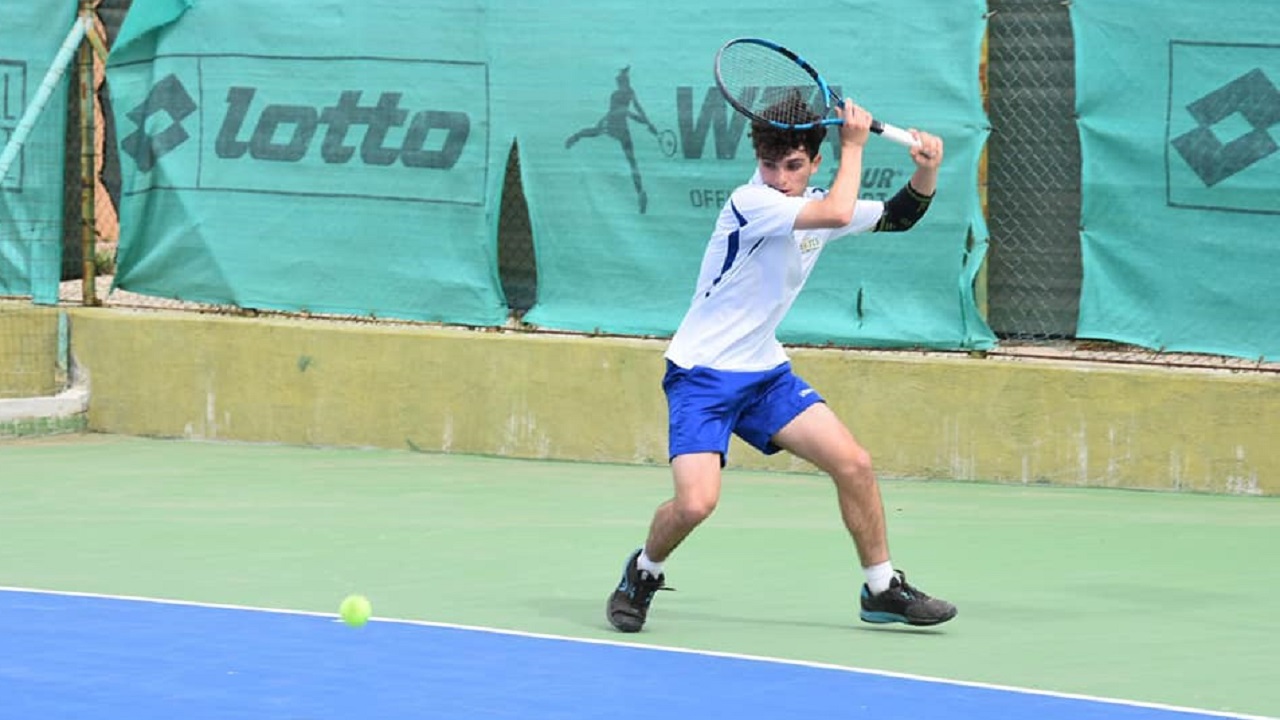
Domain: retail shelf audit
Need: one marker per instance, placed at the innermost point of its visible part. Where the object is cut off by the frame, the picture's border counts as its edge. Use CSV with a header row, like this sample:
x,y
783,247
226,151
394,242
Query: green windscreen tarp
x,y
1179,124
311,156
31,207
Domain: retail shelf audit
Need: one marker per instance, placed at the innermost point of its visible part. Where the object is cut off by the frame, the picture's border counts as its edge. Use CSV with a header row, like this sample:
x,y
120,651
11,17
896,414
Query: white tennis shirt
x,y
753,269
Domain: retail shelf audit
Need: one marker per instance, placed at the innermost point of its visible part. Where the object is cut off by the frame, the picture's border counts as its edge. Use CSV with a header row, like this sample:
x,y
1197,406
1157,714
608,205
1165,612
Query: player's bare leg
x,y
819,437
697,490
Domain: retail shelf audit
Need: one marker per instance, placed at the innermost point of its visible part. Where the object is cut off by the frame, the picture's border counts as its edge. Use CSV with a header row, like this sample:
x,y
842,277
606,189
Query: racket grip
x,y
896,134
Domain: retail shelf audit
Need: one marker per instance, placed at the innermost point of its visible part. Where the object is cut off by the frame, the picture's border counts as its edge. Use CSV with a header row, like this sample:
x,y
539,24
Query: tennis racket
x,y
757,75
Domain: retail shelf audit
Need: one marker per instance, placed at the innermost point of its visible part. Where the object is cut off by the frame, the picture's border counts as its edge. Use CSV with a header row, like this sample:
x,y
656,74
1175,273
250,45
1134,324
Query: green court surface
x,y
1161,598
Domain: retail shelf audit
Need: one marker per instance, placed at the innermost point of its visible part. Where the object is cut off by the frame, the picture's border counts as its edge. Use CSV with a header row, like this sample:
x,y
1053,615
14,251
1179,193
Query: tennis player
x,y
727,372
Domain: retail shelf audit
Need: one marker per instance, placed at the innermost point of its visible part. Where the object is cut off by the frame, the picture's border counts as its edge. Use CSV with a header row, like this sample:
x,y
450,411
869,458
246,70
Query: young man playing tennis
x,y
727,372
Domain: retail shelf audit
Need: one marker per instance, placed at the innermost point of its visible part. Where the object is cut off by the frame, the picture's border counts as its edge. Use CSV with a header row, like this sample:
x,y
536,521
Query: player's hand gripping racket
x,y
755,75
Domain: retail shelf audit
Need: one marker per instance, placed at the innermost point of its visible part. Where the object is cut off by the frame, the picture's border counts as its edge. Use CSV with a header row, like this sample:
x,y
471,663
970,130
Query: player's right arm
x,y
836,209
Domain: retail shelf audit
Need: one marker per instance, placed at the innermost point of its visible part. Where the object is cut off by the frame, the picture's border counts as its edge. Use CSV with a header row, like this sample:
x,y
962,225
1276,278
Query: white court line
x,y
658,648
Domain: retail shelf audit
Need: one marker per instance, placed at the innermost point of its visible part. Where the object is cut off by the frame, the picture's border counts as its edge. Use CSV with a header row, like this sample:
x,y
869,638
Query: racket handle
x,y
896,134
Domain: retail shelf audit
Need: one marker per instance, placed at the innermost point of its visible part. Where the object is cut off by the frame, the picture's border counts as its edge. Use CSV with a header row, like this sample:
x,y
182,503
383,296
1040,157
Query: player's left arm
x,y
903,210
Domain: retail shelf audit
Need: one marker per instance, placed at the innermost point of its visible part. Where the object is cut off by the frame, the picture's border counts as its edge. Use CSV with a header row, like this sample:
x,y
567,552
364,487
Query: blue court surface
x,y
82,656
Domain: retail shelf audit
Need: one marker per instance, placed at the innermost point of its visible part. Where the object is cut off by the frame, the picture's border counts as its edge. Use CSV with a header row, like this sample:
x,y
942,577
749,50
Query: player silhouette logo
x,y
624,108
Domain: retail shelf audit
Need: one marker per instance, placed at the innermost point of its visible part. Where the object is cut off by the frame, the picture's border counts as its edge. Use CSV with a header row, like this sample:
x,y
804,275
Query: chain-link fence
x,y
517,265
1033,209
91,170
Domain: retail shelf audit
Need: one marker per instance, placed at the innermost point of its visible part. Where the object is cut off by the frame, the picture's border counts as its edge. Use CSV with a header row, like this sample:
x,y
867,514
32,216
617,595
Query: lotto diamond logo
x,y
1224,127
1255,98
170,98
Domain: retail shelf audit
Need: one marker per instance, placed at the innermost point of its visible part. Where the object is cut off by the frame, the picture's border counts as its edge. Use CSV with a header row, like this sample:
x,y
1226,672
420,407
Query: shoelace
x,y
646,585
908,589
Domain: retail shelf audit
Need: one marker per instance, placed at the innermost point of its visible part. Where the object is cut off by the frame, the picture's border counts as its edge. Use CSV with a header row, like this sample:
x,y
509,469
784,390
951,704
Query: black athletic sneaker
x,y
629,604
902,603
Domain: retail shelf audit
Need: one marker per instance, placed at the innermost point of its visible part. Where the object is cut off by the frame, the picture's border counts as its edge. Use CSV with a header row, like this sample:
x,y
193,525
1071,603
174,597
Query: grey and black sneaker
x,y
629,604
902,603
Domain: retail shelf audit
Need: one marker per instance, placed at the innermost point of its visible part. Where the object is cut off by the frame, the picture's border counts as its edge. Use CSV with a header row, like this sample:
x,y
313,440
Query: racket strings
x,y
770,85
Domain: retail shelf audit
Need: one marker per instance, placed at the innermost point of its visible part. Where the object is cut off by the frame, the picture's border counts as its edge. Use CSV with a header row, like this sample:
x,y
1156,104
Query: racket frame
x,y
885,130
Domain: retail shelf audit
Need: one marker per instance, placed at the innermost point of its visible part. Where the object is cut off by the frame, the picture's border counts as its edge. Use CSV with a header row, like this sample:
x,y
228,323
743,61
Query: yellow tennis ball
x,y
355,610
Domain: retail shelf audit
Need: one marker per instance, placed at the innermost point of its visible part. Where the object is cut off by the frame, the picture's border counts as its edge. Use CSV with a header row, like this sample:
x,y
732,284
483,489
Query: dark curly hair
x,y
773,143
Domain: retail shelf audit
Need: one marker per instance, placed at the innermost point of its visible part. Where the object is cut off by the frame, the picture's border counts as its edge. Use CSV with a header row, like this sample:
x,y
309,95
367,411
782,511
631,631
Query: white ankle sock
x,y
878,577
655,568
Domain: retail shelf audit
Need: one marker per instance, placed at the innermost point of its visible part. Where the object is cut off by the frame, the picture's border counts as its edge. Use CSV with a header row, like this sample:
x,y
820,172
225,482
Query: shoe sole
x,y
628,626
884,618
629,629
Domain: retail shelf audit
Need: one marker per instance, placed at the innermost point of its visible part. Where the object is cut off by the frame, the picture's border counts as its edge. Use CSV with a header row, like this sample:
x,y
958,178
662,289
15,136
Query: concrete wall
x,y
28,350
599,399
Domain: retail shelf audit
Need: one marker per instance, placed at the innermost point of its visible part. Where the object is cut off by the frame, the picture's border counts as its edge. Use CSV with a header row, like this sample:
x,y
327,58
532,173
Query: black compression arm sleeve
x,y
903,210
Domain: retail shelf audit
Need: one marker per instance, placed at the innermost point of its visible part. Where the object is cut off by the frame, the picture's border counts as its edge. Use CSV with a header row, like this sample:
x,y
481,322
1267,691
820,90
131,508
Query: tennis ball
x,y
355,610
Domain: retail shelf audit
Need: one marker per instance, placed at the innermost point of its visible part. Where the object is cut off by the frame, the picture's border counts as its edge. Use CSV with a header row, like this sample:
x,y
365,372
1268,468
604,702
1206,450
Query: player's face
x,y
789,174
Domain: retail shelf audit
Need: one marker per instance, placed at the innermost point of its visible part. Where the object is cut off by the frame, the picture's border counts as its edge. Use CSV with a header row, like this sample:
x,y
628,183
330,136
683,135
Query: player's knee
x,y
694,509
855,468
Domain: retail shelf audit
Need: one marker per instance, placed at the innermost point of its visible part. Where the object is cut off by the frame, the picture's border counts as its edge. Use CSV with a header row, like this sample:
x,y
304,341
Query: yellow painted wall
x,y
28,350
599,399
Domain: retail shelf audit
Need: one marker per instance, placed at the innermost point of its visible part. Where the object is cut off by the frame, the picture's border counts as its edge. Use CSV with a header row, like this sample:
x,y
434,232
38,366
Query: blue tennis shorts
x,y
705,406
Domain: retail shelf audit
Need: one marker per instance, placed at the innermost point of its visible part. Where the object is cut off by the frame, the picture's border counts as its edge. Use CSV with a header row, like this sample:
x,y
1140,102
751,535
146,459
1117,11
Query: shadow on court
x,y
590,614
